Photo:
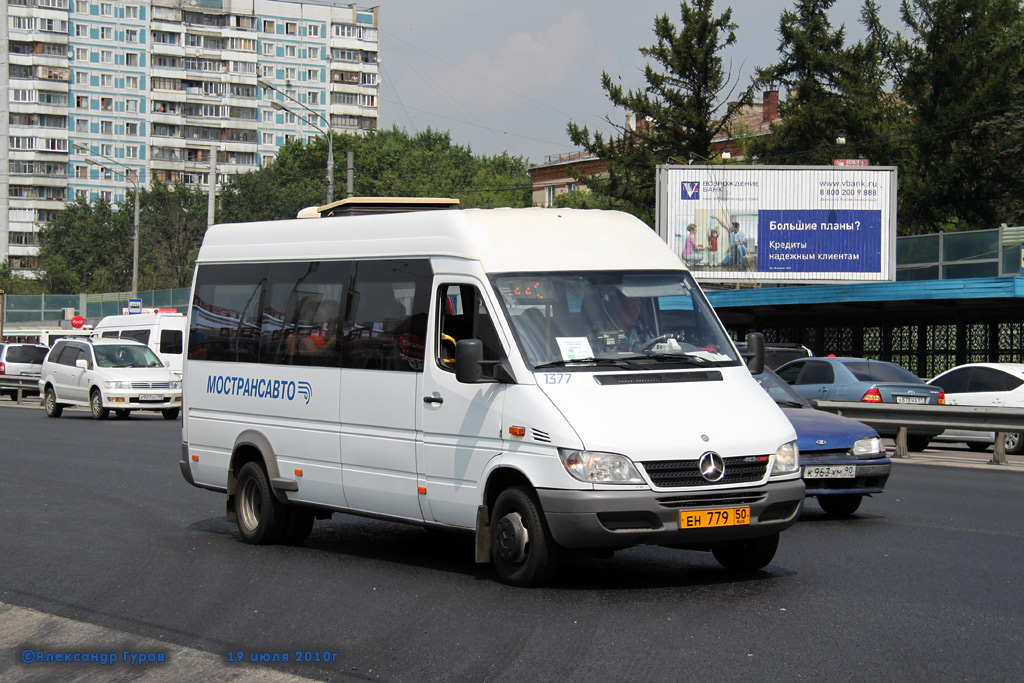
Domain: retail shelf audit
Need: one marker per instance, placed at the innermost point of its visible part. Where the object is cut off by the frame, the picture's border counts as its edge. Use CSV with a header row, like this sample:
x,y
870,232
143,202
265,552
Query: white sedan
x,y
983,384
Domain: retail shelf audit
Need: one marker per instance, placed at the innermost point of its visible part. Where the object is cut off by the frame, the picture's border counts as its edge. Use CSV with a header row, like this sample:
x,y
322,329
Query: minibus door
x,y
461,422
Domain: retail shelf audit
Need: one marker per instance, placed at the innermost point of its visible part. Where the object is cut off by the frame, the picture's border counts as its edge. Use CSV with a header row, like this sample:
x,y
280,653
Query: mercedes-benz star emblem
x,y
712,466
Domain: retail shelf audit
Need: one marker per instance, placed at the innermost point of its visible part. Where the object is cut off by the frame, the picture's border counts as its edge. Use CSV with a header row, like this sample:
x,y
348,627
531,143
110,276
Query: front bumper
x,y
619,519
870,478
141,400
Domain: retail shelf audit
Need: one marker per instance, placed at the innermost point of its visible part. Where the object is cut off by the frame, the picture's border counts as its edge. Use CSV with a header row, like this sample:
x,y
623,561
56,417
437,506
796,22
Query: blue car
x,y
842,459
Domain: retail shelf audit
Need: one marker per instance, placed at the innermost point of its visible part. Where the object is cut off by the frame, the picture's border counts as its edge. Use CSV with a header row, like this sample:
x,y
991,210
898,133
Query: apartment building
x,y
96,87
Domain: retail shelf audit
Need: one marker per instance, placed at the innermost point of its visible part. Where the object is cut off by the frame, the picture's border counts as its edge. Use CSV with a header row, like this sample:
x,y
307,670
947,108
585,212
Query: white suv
x,y
108,374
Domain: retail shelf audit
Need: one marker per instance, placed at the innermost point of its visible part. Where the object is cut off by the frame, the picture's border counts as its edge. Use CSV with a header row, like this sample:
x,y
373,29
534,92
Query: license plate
x,y
830,471
911,399
151,397
705,519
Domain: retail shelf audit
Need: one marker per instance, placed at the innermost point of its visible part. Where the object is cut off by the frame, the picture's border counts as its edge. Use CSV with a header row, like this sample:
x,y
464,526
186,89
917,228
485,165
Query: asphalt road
x,y
106,549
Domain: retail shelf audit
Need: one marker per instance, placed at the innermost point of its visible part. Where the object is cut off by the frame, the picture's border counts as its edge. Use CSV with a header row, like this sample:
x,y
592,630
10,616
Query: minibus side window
x,y
302,313
138,335
226,308
385,323
462,314
170,341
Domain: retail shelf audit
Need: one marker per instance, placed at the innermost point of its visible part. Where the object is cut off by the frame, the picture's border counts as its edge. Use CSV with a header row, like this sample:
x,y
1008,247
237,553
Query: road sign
x,y
134,306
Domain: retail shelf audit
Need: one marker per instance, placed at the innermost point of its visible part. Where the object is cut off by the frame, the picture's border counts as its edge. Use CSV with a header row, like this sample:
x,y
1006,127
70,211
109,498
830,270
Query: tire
x,y
979,446
96,405
842,505
522,549
262,518
1014,443
300,523
917,443
750,555
122,413
170,413
53,409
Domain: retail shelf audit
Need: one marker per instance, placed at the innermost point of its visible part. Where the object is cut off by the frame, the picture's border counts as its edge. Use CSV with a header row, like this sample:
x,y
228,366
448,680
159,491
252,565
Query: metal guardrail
x,y
20,384
980,418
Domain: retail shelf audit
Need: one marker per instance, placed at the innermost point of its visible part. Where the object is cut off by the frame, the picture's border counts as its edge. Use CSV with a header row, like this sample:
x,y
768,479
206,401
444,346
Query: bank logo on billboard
x,y
691,190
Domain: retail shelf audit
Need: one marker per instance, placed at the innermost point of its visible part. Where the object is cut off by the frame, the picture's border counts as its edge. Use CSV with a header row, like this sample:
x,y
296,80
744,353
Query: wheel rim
x,y
50,402
249,509
97,404
513,537
1011,441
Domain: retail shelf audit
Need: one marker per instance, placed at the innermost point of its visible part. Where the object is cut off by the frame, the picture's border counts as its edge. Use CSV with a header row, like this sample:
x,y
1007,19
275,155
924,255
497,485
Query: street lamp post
x,y
329,134
132,175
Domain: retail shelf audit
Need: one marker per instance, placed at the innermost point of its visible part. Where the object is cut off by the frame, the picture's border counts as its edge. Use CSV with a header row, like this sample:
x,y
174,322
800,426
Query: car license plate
x,y
705,519
911,399
151,397
830,471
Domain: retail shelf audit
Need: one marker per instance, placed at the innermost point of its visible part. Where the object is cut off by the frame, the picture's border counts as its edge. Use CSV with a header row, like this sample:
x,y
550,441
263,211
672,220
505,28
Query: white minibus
x,y
164,333
549,380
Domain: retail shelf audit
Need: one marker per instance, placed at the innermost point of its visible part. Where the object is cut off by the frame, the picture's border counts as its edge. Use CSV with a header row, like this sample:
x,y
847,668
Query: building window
x,y
131,152
131,129
369,79
81,194
290,51
268,26
107,195
81,125
107,150
81,54
81,101
290,73
314,30
268,116
106,9
107,80
312,74
132,106
290,28
268,49
268,138
81,31
107,103
131,12
131,82
314,97
82,6
107,56
313,52
106,33
106,127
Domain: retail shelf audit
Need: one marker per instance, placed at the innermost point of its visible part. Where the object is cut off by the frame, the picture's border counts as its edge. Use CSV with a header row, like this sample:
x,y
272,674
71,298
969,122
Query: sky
x,y
509,76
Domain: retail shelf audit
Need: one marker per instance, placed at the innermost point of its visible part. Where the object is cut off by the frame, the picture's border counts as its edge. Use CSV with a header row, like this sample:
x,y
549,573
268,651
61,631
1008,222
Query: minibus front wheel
x,y
522,549
749,555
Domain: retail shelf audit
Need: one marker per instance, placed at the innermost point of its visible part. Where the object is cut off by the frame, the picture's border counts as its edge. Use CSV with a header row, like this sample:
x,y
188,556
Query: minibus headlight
x,y
175,384
599,468
787,459
866,447
118,385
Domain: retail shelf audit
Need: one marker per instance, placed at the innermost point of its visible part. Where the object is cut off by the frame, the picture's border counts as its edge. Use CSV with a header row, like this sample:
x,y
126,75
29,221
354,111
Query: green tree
x,y
88,245
836,104
388,163
13,283
959,71
686,103
171,228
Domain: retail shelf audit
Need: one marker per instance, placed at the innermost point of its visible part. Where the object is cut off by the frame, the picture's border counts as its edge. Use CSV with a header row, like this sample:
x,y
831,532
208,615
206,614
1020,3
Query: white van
x,y
549,380
162,332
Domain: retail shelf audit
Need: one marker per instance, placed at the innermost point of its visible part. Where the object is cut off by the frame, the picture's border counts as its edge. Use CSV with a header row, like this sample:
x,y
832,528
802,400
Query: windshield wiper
x,y
616,362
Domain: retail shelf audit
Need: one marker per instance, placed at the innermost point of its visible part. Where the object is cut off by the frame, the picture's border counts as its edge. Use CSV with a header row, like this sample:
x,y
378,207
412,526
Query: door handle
x,y
435,399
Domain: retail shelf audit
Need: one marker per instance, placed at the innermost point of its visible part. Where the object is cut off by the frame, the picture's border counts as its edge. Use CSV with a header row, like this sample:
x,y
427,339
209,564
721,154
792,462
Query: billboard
x,y
780,224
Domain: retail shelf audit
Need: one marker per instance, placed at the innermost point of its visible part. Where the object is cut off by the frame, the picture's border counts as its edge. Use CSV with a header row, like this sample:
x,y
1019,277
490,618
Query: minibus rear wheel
x,y
749,555
522,549
53,409
262,518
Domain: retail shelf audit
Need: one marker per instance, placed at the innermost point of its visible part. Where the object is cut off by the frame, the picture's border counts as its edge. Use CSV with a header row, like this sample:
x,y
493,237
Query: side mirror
x,y
469,356
82,363
755,353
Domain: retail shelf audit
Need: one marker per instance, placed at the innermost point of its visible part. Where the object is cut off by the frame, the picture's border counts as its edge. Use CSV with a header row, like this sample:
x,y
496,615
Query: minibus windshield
x,y
608,319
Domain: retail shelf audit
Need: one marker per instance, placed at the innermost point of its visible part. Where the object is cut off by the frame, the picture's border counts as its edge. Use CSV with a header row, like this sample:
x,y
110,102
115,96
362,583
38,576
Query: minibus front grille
x,y
711,500
684,473
659,377
151,385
